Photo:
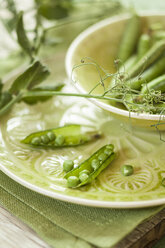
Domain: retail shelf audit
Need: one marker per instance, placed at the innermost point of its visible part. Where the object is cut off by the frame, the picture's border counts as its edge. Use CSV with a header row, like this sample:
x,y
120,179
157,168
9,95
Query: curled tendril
x,y
99,69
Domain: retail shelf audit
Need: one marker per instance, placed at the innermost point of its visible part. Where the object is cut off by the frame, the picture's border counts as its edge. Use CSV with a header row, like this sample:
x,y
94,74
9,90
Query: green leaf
x,y
9,24
35,99
22,37
5,98
11,6
33,76
8,105
53,11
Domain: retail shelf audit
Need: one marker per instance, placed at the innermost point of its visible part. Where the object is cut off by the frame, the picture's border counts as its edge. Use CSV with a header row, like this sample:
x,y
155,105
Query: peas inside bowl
x,y
92,55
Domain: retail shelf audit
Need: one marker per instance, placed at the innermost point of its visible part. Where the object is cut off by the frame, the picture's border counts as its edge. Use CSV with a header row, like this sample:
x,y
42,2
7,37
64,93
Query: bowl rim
x,y
82,36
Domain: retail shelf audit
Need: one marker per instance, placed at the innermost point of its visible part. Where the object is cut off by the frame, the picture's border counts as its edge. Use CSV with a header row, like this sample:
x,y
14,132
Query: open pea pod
x,y
88,170
66,136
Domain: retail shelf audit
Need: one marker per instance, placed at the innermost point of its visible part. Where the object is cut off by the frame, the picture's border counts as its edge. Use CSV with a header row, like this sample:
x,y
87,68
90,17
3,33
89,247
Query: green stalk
x,y
68,20
55,93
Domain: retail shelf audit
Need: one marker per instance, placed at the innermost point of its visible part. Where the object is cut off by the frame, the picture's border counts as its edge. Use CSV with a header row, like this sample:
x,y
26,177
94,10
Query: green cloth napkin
x,y
66,225
160,243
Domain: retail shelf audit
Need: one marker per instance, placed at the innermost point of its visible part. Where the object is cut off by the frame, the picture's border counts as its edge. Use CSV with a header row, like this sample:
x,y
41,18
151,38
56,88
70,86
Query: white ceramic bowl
x,y
100,42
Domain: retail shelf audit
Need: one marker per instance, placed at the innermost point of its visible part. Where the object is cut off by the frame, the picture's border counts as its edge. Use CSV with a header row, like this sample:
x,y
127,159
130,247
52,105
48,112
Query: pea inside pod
x,y
66,136
88,170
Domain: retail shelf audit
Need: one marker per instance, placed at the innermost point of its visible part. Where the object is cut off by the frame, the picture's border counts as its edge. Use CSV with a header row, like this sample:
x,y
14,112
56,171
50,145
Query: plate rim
x,y
83,201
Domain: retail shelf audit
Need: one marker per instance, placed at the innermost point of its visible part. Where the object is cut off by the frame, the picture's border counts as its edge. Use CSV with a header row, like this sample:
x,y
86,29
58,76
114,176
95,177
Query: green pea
x,y
102,157
108,151
127,170
45,139
59,140
163,182
84,171
68,165
72,181
51,136
36,141
95,164
83,177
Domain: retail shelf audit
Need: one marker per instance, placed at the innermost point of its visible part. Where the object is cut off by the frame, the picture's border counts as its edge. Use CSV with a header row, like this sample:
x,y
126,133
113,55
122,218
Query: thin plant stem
x,y
56,93
68,20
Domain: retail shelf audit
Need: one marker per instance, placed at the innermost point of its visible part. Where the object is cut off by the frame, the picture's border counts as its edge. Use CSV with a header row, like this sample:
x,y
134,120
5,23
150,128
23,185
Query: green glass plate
x,y
41,170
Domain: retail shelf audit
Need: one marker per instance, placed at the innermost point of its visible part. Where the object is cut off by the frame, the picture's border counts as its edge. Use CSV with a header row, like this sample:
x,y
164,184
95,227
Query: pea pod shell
x,y
86,165
72,134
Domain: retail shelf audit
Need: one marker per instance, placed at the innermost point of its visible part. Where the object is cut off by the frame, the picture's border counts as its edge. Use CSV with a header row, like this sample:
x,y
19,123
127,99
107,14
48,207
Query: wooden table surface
x,y
15,234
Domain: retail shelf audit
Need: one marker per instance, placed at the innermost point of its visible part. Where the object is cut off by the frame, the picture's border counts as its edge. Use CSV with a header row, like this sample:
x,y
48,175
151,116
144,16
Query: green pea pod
x,y
143,45
151,56
130,37
159,35
156,84
152,72
129,62
93,165
66,136
156,26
